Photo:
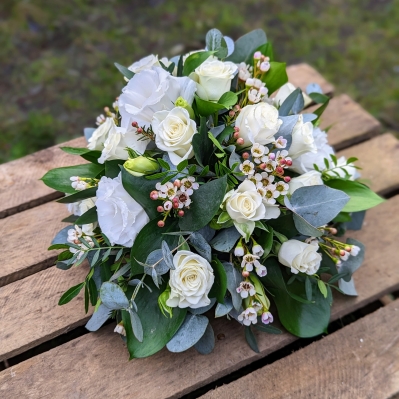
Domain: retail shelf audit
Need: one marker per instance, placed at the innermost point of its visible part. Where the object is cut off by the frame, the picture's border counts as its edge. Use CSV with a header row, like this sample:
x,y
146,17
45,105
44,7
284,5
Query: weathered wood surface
x,y
383,151
301,75
357,362
61,367
25,238
44,306
20,187
349,123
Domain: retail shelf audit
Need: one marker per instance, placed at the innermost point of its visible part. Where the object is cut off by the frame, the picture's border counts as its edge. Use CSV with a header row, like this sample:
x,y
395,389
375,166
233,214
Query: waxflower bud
x,y
181,102
239,249
141,166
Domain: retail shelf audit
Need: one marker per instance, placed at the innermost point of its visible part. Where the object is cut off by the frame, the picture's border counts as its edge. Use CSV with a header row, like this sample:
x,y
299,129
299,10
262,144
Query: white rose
x,y
120,217
213,78
302,139
174,131
118,139
81,207
150,91
300,257
306,161
147,63
190,282
311,178
284,91
341,164
99,136
258,123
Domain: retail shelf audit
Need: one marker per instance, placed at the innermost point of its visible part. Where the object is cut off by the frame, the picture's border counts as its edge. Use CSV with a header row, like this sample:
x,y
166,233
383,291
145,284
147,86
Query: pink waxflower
x,y
267,318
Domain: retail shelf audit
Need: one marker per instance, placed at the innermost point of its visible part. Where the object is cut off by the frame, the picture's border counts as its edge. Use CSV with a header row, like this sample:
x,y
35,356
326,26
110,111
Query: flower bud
x,y
154,195
245,155
240,141
287,179
120,329
180,213
181,102
160,208
239,249
177,183
161,223
141,166
245,274
257,55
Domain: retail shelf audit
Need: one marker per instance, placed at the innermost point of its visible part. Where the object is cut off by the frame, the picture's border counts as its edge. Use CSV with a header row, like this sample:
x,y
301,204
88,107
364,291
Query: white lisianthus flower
x,y
341,164
284,91
305,162
147,63
174,131
120,217
190,282
99,136
302,139
118,139
150,91
300,257
81,207
311,178
258,123
213,78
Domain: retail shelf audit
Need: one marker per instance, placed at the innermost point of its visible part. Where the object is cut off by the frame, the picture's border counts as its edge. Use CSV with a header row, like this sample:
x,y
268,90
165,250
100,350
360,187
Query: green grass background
x,y
57,56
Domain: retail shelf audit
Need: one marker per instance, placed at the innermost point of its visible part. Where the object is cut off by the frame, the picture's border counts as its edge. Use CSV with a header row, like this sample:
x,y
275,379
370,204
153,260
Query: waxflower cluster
x,y
210,188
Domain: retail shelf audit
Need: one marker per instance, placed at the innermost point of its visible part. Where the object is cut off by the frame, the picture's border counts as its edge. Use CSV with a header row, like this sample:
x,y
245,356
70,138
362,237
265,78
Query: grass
x,y
57,57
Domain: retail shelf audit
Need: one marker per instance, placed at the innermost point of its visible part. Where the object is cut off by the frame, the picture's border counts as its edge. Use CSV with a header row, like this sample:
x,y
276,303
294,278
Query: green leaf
x,y
301,319
227,132
85,153
361,196
228,99
275,77
206,108
124,71
112,168
58,178
205,203
266,49
139,188
215,142
251,339
195,60
322,288
267,328
88,217
182,165
180,67
157,329
318,98
219,287
71,293
148,240
79,196
58,246
202,145
245,46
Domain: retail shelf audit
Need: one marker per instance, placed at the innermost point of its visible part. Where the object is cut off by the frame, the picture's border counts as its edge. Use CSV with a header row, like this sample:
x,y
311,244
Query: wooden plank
x,y
301,75
359,361
385,149
350,123
20,187
107,372
32,232
29,310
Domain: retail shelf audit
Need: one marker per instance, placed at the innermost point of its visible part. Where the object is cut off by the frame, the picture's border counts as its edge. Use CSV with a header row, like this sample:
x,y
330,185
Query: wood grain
x,y
57,373
20,187
24,240
301,75
385,149
359,361
350,123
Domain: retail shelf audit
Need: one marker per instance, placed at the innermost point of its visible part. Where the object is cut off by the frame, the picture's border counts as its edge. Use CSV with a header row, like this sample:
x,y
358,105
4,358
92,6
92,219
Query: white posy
x,y
284,91
302,139
258,123
306,162
120,217
147,63
81,207
351,171
213,78
150,91
99,136
174,131
190,281
311,178
300,257
118,139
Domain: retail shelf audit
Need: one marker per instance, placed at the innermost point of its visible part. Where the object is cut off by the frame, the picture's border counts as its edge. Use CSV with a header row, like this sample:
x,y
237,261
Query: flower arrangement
x,y
207,187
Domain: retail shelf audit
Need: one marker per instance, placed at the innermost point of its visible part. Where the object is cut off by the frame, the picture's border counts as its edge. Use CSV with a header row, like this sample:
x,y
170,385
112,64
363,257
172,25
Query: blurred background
x,y
57,56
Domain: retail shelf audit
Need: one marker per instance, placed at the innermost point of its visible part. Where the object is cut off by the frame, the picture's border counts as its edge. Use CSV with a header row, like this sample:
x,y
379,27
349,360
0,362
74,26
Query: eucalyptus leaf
x,y
155,256
167,255
203,309
99,317
190,332
347,287
215,42
222,309
113,297
88,132
226,239
251,339
207,342
245,46
293,104
234,279
137,327
354,262
201,245
62,236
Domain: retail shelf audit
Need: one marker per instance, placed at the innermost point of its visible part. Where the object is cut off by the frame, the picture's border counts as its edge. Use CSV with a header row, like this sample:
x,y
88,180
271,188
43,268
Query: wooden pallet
x,y
357,361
